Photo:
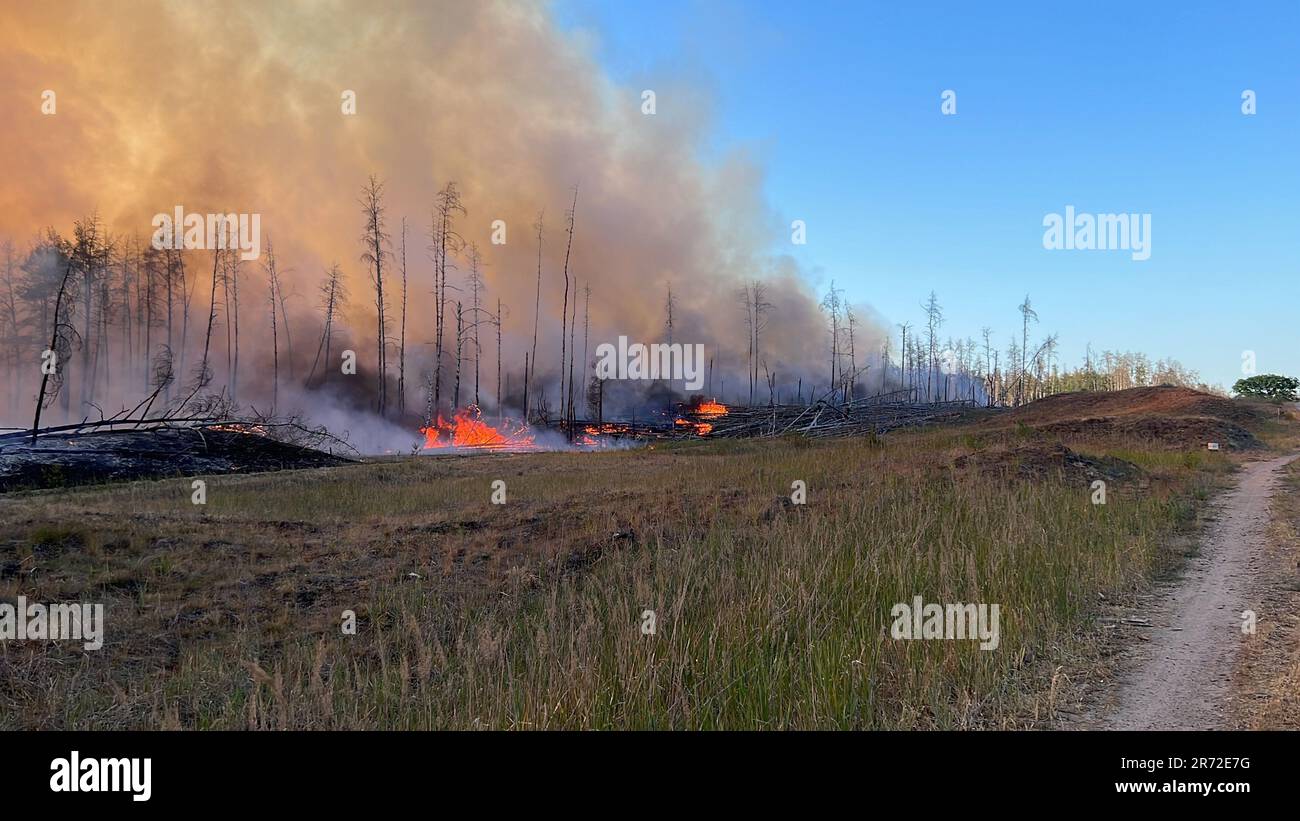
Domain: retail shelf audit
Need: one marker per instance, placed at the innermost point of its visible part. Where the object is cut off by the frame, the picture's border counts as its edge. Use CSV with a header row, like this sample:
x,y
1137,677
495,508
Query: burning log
x,y
597,434
699,419
467,429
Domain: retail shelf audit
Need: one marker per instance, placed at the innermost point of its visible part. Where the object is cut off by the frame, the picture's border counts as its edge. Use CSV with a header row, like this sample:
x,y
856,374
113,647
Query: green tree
x,y
1268,386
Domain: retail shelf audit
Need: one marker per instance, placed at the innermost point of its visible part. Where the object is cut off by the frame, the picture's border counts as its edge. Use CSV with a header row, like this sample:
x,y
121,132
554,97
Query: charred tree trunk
x,y
401,349
537,312
498,394
375,243
564,311
460,345
55,348
272,288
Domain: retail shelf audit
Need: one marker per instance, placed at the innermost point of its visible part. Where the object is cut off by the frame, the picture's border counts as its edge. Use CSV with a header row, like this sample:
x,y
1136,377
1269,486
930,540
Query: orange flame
x,y
706,409
710,409
240,427
602,435
468,430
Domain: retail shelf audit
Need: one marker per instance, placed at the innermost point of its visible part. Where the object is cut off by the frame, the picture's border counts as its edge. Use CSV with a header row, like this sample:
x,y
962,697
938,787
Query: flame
x,y
240,427
706,409
602,435
710,409
607,427
468,430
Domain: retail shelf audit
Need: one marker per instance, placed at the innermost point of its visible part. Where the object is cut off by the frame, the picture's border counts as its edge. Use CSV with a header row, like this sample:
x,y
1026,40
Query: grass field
x,y
529,614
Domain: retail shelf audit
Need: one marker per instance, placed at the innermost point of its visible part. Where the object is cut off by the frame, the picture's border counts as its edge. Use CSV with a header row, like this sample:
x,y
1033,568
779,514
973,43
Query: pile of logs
x,y
124,448
871,415
868,415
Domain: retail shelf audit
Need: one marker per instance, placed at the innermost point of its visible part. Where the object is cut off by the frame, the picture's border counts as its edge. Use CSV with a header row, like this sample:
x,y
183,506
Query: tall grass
x,y
769,616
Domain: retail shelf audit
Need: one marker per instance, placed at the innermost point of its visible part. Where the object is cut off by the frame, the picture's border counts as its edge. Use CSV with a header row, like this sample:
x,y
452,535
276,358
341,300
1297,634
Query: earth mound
x,y
1167,417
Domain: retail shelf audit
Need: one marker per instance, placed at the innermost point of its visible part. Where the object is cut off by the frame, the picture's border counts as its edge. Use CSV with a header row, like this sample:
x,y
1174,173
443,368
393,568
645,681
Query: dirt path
x,y
1181,678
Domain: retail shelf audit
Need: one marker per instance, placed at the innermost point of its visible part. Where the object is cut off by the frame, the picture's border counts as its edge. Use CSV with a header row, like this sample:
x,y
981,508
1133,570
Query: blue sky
x,y
1109,107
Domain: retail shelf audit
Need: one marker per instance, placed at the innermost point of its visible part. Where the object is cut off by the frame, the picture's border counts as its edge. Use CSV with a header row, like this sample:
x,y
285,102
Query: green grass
x,y
528,615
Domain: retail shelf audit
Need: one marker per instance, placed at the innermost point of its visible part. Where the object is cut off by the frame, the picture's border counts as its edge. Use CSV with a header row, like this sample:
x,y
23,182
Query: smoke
x,y
237,108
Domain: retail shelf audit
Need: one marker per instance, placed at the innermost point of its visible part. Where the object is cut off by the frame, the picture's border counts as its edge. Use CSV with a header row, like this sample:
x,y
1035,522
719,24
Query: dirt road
x,y
1180,679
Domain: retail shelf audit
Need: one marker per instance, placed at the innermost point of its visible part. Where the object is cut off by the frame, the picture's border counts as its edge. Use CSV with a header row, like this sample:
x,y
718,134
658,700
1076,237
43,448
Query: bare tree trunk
x,y
273,287
934,318
171,286
401,354
150,268
537,311
564,311
225,301
831,305
375,244
102,342
54,346
761,307
586,328
498,394
749,334
448,205
853,360
460,331
902,368
205,376
187,296
288,336
124,359
234,290
668,314
573,354
442,304
1027,313
332,294
142,266
87,245
476,285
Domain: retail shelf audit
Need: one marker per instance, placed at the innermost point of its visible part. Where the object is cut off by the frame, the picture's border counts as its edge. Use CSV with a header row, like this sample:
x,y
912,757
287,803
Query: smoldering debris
x,y
93,453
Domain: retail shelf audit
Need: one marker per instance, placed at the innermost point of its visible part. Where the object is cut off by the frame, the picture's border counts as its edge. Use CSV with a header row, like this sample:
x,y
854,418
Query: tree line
x,y
122,318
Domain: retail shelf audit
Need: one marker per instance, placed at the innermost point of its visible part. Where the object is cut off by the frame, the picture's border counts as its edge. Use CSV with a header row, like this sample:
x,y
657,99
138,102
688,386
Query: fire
x,y
602,435
468,430
695,417
607,428
710,409
239,427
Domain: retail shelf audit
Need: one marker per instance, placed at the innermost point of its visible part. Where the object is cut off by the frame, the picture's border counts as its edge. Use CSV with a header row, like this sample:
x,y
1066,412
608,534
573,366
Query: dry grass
x,y
1268,674
1168,417
527,615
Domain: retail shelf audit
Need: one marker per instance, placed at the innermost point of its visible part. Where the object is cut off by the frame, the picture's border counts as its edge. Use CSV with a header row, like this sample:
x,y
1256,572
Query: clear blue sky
x,y
1108,106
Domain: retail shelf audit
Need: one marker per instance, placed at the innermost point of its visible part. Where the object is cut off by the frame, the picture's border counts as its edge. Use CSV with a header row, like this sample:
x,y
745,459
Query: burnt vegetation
x,y
99,320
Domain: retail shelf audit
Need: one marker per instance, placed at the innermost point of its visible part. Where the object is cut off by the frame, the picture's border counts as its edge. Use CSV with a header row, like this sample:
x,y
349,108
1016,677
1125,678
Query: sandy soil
x,y
1182,678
